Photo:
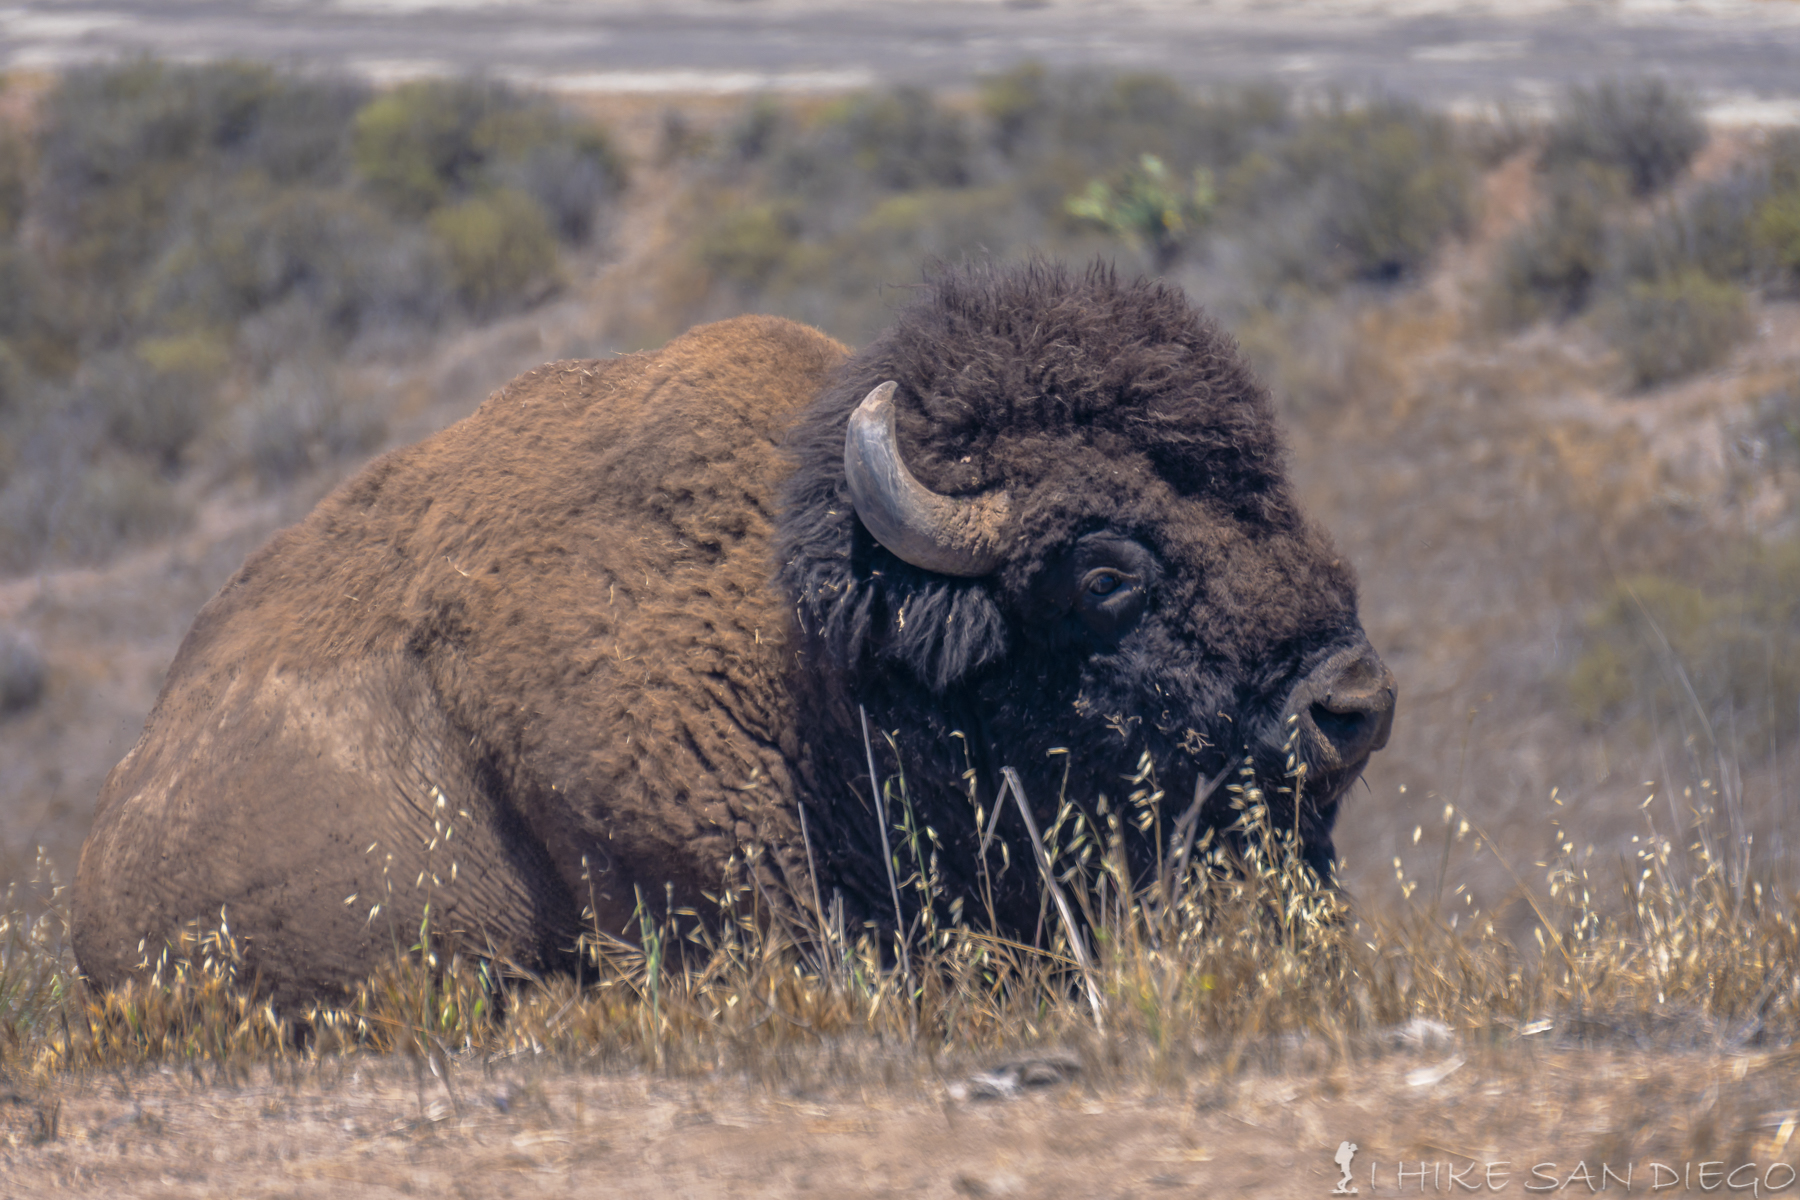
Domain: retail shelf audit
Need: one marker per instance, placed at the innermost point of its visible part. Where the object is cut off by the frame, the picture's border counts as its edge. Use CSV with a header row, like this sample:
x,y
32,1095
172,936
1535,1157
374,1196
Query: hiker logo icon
x,y
1346,1151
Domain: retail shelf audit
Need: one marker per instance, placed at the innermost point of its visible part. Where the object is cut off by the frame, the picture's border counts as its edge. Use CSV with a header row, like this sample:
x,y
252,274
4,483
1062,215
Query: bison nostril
x,y
1347,705
1351,731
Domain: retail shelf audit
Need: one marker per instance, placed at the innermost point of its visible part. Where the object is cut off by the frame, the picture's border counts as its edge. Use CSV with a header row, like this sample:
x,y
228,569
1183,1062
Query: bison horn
x,y
951,535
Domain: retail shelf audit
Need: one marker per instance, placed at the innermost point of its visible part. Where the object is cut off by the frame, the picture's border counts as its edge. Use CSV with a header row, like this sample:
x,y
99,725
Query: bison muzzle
x,y
621,624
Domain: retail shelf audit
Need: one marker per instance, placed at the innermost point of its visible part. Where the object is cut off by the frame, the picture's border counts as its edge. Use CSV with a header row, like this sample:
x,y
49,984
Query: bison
x,y
624,622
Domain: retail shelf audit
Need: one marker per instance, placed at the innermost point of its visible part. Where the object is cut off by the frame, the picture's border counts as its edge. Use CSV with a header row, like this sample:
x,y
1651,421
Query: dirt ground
x,y
1530,1114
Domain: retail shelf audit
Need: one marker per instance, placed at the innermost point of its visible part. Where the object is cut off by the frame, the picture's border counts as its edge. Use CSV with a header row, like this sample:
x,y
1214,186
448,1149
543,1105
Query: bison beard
x,y
617,625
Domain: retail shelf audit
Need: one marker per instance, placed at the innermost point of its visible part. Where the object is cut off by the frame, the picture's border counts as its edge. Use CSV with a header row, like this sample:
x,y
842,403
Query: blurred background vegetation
x,y
189,250
1542,375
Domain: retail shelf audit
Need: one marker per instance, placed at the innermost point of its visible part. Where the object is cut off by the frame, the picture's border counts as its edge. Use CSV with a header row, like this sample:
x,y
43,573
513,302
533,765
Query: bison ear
x,y
943,632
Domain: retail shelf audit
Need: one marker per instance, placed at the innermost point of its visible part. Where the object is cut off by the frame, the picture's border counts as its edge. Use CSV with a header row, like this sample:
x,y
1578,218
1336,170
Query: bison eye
x,y
1110,598
1099,588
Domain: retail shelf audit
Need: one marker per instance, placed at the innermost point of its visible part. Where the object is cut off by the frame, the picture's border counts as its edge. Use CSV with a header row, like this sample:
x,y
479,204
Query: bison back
x,y
518,672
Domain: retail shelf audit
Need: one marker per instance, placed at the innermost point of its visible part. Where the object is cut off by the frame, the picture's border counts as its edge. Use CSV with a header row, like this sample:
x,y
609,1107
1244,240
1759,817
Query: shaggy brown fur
x,y
615,627
544,635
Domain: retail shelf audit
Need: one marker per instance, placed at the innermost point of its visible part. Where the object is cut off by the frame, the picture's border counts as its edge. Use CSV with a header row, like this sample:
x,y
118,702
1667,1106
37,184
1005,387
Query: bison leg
x,y
320,814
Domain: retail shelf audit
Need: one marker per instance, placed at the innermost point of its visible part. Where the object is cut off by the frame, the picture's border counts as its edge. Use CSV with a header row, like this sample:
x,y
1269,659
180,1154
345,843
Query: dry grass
x,y
1226,1021
1214,957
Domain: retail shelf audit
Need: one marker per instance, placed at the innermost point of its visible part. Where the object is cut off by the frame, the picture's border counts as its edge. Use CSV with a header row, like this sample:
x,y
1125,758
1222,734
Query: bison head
x,y
1045,523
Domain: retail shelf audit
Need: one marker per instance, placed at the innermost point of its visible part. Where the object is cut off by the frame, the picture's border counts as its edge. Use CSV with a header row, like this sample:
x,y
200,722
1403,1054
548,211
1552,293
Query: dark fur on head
x,y
1107,408
1002,372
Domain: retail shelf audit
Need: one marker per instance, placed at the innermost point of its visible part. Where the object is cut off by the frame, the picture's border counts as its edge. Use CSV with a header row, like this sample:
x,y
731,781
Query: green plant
x,y
1102,122
500,247
1717,662
433,143
154,401
37,982
1016,102
35,328
1354,193
122,145
569,176
1777,230
1712,230
116,500
838,282
887,141
1148,208
1552,266
1643,127
426,142
251,247
764,125
749,245
903,140
1397,184
1216,949
299,418
1668,328
15,178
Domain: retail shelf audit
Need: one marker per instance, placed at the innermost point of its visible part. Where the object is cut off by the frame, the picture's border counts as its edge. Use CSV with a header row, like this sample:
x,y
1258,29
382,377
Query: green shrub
x,y
1106,121
1551,267
1776,229
156,412
757,132
500,249
1494,137
300,418
250,246
895,140
426,142
1643,127
841,283
1744,226
199,230
15,176
569,178
678,139
123,143
119,501
73,507
19,292
1398,185
436,142
1711,230
1148,208
301,131
202,354
1017,103
1667,328
14,386
903,140
17,280
1772,434
1354,194
750,244
1718,656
